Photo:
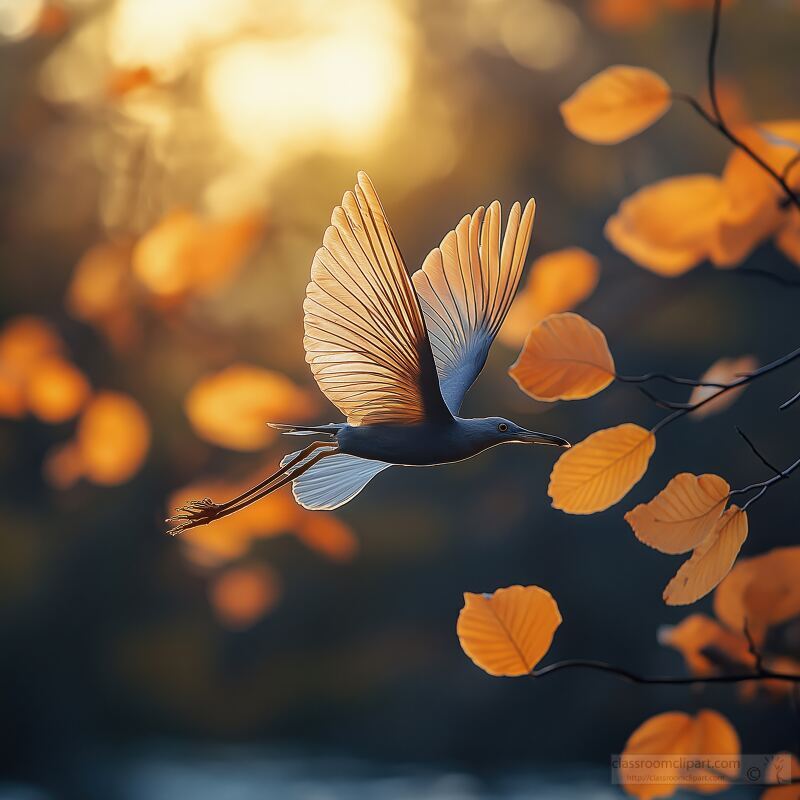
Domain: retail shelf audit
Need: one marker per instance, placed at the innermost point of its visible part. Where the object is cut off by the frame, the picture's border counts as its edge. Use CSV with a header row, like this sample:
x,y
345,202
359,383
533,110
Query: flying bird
x,y
394,354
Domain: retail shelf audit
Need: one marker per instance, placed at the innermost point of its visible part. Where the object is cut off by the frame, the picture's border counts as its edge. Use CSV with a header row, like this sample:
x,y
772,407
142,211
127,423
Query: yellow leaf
x,y
557,282
679,517
726,370
616,104
508,632
565,357
677,734
670,226
711,560
231,408
599,471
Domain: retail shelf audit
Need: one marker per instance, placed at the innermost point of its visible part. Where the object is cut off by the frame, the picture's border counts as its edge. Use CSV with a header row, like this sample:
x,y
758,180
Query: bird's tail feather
x,y
333,481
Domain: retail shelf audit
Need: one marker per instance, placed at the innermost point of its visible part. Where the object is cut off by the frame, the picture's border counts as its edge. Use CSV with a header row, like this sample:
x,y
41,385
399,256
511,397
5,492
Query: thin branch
x,y
781,280
760,674
789,402
663,376
716,17
742,381
790,165
758,454
764,486
754,651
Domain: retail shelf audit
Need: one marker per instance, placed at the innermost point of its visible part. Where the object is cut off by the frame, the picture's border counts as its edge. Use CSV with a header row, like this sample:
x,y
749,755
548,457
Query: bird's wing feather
x,y
365,335
333,481
466,286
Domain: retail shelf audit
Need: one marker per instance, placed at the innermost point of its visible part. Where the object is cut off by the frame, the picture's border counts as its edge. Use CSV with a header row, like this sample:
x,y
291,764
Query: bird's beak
x,y
534,437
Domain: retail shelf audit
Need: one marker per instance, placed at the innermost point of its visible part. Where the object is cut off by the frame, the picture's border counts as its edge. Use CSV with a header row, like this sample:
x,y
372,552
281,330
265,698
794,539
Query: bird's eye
x,y
502,427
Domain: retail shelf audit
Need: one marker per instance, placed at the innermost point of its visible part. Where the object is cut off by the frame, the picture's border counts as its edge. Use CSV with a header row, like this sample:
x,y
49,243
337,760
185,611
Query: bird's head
x,y
498,430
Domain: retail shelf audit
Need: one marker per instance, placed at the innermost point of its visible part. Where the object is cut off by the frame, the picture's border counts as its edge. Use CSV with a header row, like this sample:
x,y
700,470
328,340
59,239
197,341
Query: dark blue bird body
x,y
430,443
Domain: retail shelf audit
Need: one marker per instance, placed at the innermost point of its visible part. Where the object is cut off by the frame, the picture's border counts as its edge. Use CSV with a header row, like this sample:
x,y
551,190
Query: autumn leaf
x,y
670,226
679,517
676,733
623,15
726,370
599,471
112,438
56,390
565,357
705,644
615,104
557,282
231,408
711,560
240,596
510,631
763,591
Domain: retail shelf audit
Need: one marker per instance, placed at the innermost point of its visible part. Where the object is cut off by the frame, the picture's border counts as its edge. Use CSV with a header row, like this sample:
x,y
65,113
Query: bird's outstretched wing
x,y
365,336
466,286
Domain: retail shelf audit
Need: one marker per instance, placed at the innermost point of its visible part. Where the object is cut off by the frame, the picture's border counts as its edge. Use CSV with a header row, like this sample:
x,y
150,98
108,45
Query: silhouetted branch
x,y
715,118
742,381
781,280
758,454
760,674
789,402
663,376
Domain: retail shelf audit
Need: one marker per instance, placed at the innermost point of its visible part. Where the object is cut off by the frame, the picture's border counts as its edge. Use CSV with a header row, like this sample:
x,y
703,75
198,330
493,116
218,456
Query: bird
x,y
395,353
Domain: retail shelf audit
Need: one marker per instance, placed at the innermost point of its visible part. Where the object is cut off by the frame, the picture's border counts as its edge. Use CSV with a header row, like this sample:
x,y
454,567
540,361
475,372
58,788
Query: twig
x,y
771,276
789,402
663,376
758,454
751,646
715,118
764,486
742,381
760,674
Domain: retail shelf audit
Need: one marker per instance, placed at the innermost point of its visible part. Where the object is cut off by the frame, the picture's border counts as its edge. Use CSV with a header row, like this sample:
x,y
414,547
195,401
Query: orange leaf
x,y
242,595
56,390
623,15
726,370
670,226
113,438
764,591
782,770
787,240
565,357
705,644
599,471
508,632
231,408
679,517
557,282
675,733
711,560
616,104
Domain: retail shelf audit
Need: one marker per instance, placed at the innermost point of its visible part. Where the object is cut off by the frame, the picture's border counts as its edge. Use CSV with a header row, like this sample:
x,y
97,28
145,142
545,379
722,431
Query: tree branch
x,y
760,674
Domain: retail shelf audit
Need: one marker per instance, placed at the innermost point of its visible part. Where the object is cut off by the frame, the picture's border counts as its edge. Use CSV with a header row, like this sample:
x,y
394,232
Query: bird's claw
x,y
195,512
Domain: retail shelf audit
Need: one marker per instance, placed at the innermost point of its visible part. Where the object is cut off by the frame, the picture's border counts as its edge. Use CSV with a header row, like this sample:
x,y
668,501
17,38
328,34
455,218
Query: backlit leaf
x,y
679,517
113,438
705,644
565,357
56,390
240,596
557,282
616,104
510,631
599,471
783,769
726,370
232,407
711,560
676,733
623,15
670,226
763,590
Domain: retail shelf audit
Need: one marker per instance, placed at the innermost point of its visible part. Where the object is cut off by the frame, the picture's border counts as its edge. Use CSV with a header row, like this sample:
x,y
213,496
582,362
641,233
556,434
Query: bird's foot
x,y
194,513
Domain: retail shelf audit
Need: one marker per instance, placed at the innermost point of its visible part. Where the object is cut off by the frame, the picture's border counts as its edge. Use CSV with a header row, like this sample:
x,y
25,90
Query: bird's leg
x,y
201,512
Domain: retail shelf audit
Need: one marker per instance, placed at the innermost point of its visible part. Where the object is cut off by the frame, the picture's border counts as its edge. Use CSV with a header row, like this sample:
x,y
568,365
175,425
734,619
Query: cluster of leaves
x,y
112,435
675,224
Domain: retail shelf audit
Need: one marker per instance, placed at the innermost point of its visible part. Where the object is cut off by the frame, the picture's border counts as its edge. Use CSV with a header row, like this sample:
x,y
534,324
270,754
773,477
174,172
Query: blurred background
x,y
168,168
